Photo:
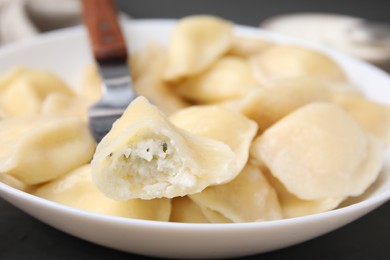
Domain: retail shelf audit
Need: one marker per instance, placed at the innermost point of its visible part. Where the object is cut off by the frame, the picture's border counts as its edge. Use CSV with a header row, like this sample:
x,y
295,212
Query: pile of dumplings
x,y
226,129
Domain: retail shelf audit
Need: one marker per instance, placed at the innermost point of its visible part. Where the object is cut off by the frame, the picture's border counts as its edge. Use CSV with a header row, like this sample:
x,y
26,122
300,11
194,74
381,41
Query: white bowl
x,y
66,53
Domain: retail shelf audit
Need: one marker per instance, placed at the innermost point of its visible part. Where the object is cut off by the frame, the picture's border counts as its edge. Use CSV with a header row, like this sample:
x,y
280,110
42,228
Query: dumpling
x,y
278,98
319,151
285,60
76,189
292,206
249,197
229,77
23,90
146,156
39,149
372,116
196,42
229,127
186,211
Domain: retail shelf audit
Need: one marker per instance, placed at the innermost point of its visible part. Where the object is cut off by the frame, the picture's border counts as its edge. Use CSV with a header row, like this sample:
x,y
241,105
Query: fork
x,y
110,53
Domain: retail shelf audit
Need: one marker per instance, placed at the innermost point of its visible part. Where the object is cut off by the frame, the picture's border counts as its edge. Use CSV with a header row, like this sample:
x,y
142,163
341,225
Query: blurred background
x,y
252,12
21,19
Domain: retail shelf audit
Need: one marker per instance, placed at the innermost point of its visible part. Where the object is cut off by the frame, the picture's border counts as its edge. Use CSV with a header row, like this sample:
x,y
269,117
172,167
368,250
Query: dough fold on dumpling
x,y
77,190
39,149
13,182
227,126
372,116
58,104
186,211
149,82
196,42
245,47
292,206
319,151
249,197
146,156
277,98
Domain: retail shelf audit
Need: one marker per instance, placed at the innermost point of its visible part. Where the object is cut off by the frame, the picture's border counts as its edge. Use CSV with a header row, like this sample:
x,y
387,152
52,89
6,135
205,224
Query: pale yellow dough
x,y
186,211
246,47
283,60
76,189
319,151
229,77
229,127
196,42
149,82
146,156
23,90
292,206
13,182
58,104
39,149
278,98
372,116
249,197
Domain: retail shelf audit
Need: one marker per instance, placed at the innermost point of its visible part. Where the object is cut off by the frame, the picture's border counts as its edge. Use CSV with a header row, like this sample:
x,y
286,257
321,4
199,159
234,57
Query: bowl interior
x,y
66,53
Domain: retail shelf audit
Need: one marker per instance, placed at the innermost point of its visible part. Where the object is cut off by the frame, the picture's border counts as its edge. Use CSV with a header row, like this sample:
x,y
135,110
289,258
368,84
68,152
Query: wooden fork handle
x,y
100,17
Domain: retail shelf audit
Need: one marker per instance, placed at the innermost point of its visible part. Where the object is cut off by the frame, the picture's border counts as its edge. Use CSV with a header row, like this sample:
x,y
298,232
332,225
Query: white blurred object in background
x,y
22,19
361,38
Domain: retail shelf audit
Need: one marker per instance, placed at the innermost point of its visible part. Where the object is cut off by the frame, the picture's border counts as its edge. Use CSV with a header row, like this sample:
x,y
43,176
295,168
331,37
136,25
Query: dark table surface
x,y
23,237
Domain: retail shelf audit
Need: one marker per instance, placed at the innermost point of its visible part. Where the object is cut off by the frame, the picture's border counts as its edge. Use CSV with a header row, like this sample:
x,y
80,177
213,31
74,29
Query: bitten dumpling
x,y
146,156
40,149
77,190
249,197
23,90
285,60
319,151
196,42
